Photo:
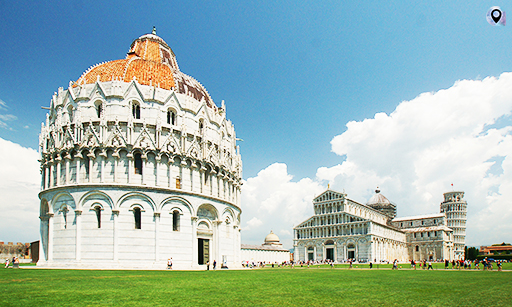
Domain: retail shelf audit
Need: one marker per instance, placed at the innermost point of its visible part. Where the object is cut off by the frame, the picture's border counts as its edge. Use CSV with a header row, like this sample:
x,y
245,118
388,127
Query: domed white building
x,y
138,165
271,251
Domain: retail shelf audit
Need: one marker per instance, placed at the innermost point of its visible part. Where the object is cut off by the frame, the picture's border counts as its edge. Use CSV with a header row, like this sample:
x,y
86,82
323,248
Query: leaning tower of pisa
x,y
455,208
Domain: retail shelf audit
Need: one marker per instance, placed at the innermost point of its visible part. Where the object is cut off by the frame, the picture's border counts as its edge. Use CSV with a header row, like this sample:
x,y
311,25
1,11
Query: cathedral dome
x,y
381,203
149,61
272,238
378,199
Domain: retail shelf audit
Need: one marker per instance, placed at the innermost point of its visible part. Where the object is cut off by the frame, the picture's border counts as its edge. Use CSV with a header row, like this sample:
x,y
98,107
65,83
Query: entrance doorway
x,y
351,251
330,253
311,253
203,249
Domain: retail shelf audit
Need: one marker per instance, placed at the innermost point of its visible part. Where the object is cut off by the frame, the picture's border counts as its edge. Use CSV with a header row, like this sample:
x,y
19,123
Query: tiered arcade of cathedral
x,y
343,229
139,165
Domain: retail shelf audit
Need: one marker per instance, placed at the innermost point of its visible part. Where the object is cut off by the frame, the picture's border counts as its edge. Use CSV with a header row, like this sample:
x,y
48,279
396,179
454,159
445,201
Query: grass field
x,y
316,286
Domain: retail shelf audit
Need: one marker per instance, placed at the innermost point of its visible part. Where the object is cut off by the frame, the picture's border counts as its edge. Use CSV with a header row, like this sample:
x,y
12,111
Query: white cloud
x,y
4,118
19,186
272,201
460,135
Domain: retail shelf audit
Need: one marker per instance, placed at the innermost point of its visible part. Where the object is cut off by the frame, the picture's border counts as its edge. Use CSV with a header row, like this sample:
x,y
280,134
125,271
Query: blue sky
x,y
292,74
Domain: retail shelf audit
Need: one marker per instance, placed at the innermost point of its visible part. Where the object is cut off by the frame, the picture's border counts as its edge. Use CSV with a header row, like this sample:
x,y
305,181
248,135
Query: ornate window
x,y
171,117
136,110
137,215
86,166
417,248
201,125
64,211
176,220
99,108
97,209
138,163
70,113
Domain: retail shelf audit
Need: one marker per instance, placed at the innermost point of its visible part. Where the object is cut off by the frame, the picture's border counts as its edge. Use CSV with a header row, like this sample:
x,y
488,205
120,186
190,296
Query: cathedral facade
x,y
343,229
138,165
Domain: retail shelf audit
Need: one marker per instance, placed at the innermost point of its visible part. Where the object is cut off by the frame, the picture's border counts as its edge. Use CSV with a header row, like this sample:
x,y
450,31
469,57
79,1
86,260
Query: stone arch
x,y
99,106
61,197
170,203
171,116
135,108
204,224
208,211
95,195
228,214
135,197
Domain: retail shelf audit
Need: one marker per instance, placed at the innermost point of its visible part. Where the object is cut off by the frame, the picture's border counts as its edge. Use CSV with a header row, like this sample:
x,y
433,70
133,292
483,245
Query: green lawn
x,y
318,286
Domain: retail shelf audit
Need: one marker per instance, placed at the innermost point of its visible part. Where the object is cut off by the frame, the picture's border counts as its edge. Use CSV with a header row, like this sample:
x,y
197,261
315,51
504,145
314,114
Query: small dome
x,y
271,238
380,203
378,199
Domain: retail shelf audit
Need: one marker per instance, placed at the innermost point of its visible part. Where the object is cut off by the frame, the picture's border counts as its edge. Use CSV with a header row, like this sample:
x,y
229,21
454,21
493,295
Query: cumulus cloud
x,y
272,201
19,186
461,135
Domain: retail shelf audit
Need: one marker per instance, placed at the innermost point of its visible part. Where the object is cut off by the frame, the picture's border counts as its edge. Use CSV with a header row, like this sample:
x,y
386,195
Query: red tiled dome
x,y
151,62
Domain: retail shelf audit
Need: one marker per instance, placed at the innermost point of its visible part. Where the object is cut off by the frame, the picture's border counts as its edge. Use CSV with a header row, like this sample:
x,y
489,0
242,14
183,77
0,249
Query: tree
x,y
471,253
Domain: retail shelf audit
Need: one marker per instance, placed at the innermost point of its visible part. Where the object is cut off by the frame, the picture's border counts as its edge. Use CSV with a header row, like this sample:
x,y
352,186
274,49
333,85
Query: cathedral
x,y
139,165
342,229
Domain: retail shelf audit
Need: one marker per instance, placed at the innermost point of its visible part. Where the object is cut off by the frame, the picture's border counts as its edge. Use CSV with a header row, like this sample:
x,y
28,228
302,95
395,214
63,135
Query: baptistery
x,y
139,165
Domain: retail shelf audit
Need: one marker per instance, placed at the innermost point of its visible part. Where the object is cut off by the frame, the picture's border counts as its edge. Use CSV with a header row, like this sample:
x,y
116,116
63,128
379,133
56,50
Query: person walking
x,y
6,263
430,265
214,264
169,264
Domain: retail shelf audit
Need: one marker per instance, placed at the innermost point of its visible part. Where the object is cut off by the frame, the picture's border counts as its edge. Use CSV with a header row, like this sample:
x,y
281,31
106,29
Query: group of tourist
x,y
423,264
15,262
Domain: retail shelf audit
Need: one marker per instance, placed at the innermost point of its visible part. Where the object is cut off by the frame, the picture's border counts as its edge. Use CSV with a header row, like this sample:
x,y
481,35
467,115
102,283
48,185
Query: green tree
x,y
471,253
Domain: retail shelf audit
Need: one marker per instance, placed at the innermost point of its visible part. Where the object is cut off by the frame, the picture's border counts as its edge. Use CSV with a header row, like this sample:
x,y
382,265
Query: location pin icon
x,y
496,15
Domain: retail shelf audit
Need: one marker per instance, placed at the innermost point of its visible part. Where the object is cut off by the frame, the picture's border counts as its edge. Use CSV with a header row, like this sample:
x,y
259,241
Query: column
x,y
51,174
116,162
129,156
77,171
169,167
50,236
144,169
157,235
102,167
67,168
78,238
115,214
91,157
47,171
157,166
194,259
216,242
58,159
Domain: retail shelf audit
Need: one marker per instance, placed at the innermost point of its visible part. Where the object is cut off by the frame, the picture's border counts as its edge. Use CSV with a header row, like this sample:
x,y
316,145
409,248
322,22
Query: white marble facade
x,y
135,172
343,229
